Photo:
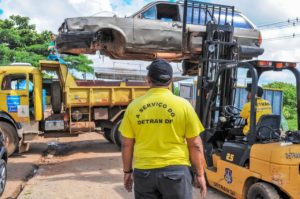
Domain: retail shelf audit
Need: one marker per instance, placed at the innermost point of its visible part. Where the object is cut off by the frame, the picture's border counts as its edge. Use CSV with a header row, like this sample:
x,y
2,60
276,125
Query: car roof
x,y
167,2
181,3
151,4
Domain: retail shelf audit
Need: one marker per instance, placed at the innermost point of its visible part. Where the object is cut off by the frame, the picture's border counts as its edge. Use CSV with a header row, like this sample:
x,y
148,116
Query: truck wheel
x,y
3,176
56,97
262,190
107,135
10,137
116,134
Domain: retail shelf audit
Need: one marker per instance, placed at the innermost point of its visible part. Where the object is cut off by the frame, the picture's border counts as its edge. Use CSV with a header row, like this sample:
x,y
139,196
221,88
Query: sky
x,y
49,14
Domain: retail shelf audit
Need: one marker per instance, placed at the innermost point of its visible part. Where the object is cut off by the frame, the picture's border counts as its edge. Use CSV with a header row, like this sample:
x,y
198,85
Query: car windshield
x,y
150,13
238,21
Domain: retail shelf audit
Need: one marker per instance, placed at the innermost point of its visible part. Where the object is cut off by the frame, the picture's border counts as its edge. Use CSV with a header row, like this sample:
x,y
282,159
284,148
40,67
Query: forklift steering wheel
x,y
232,111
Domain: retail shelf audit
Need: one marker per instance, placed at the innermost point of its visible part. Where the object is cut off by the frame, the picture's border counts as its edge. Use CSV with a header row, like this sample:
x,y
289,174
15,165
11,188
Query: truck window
x,y
163,12
14,82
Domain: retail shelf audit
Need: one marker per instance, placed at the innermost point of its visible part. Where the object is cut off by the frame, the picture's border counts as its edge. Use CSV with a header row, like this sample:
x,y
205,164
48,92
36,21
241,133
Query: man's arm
x,y
196,154
197,158
245,112
127,156
127,153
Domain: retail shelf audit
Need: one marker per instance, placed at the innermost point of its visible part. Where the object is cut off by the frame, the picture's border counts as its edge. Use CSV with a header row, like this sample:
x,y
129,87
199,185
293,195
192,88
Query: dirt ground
x,y
86,166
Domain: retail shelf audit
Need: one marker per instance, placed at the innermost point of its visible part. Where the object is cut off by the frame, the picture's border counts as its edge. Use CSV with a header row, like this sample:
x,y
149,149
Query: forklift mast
x,y
219,63
219,51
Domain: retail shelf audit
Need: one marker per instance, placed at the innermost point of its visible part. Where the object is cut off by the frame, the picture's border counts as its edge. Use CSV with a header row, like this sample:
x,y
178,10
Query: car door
x,y
154,30
14,96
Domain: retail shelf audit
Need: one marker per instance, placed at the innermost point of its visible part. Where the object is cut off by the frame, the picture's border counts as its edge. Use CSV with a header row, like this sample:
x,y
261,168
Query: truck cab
x,y
21,97
20,93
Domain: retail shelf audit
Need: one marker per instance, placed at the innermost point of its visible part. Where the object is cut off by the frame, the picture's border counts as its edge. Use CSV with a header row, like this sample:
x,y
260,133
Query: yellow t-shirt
x,y
263,108
160,122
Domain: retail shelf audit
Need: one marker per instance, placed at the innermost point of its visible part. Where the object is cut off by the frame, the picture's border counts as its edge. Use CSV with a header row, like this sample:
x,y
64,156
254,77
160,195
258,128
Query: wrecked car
x,y
155,31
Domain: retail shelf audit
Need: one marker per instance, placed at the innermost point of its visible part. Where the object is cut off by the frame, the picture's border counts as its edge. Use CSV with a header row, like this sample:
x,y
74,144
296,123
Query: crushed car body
x,y
155,31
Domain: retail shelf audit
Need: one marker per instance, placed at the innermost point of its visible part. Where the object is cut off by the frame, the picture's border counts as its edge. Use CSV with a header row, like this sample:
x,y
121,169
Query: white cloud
x,y
282,49
286,76
48,15
123,9
90,7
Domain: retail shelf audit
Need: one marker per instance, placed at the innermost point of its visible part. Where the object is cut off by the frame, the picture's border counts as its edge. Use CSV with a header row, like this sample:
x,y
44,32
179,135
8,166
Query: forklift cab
x,y
220,118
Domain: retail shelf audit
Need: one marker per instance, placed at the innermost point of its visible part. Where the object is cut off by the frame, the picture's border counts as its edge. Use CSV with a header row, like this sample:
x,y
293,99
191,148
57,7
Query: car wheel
x,y
10,137
3,176
107,135
116,134
262,190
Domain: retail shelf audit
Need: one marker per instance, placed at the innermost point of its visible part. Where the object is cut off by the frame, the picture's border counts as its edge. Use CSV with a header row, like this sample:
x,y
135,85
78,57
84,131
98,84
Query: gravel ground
x,y
86,166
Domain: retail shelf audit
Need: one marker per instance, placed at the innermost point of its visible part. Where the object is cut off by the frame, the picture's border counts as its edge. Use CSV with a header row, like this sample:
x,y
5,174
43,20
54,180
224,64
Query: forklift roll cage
x,y
219,63
256,68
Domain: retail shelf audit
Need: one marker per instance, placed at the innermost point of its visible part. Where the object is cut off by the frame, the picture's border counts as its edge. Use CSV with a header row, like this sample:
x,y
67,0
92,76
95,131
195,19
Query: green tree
x,y
289,101
79,63
20,42
176,90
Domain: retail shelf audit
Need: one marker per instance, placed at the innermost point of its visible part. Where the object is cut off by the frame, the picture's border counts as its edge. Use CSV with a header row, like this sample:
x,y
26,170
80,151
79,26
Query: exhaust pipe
x,y
250,51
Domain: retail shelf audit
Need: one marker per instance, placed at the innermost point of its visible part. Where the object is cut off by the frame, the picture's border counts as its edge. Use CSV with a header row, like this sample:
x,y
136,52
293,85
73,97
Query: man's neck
x,y
159,87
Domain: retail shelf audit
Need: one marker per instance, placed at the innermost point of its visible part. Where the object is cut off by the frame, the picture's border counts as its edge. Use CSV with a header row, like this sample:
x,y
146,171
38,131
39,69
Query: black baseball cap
x,y
260,90
160,72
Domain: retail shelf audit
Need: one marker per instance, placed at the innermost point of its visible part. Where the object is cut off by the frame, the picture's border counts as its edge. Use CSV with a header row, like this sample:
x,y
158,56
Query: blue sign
x,y
12,103
12,109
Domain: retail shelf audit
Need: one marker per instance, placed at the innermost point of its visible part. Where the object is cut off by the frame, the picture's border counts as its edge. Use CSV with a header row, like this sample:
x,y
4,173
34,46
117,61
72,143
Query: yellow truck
x,y
77,106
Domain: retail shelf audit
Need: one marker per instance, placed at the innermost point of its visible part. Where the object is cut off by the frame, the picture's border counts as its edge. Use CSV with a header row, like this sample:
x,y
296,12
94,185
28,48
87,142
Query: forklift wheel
x,y
107,135
262,190
56,97
10,137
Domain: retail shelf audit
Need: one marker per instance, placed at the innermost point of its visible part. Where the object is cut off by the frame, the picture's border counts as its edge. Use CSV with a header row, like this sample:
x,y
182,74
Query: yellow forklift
x,y
265,163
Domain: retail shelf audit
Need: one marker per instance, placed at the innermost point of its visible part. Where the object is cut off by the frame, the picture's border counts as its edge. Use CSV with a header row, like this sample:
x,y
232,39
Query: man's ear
x,y
148,80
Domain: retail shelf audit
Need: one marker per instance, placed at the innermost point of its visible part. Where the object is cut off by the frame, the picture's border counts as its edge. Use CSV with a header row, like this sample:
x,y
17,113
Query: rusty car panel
x,y
153,32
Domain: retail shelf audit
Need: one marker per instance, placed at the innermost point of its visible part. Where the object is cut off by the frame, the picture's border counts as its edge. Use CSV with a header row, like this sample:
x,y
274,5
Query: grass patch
x,y
292,123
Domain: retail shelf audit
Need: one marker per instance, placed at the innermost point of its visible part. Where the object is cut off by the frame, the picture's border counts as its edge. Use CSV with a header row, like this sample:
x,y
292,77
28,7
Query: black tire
x,y
10,135
56,97
116,134
262,190
3,176
107,135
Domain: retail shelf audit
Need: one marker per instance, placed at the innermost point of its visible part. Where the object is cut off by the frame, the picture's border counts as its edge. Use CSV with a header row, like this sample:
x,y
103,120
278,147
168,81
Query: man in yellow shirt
x,y
161,133
263,108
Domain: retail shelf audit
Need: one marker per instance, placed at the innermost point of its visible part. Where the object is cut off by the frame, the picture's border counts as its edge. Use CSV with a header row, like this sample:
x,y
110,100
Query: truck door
x,y
158,28
14,96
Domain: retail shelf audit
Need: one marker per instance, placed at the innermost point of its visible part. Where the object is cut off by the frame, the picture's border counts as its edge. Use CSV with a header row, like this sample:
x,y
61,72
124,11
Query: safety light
x,y
279,65
293,65
264,64
260,39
